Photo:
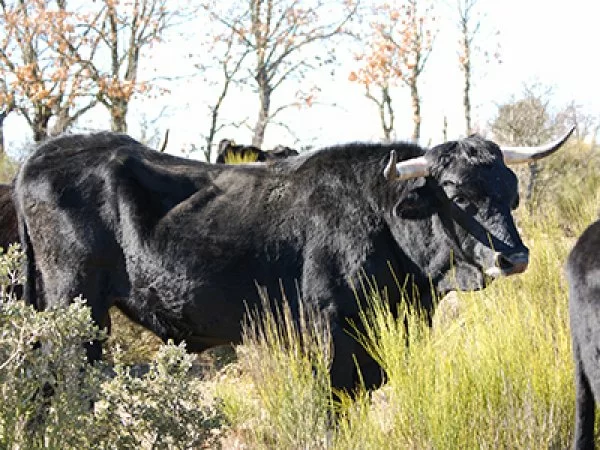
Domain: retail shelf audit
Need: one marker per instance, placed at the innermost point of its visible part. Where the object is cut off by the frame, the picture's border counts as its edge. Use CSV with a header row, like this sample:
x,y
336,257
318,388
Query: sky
x,y
547,41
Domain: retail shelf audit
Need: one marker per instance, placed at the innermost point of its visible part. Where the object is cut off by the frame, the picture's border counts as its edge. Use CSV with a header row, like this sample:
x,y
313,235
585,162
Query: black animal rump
x,y
583,274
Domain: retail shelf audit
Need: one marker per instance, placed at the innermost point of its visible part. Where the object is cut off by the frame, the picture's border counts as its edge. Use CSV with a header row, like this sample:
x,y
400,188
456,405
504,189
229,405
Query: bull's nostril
x,y
512,264
503,262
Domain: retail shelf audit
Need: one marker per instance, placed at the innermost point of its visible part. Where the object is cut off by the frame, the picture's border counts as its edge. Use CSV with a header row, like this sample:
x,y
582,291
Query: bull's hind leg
x,y
95,292
585,407
91,283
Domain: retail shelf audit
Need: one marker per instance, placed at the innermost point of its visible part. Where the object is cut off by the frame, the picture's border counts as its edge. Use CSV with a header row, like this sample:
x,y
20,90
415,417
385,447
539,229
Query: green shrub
x,y
134,343
50,397
29,370
8,168
567,185
165,408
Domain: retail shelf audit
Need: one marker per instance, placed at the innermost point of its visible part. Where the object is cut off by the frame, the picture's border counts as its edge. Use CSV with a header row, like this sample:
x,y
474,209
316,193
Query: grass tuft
x,y
284,397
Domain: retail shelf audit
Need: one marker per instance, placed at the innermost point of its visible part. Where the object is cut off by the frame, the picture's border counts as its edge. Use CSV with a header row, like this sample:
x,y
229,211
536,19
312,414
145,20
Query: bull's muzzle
x,y
511,264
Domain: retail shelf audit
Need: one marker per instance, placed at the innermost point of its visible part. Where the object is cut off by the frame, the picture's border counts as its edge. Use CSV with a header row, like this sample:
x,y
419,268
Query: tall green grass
x,y
498,377
282,397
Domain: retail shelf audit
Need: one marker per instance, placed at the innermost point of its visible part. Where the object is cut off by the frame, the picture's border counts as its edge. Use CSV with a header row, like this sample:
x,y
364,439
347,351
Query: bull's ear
x,y
414,203
224,145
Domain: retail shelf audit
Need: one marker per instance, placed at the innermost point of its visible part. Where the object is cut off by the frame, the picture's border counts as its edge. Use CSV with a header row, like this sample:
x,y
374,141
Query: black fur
x,y
583,269
181,246
9,233
8,218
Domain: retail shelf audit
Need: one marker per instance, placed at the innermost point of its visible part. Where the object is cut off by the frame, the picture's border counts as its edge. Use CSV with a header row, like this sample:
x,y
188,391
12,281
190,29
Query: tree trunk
x,y
118,116
416,109
3,115
467,89
387,114
263,117
214,117
40,123
534,171
445,129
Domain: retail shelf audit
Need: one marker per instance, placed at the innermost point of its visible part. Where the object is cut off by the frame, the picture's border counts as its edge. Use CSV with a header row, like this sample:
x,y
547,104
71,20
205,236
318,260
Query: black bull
x,y
181,246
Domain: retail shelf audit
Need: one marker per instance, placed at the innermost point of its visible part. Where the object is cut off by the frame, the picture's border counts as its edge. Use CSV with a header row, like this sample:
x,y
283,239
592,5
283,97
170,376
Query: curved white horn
x,y
404,170
517,155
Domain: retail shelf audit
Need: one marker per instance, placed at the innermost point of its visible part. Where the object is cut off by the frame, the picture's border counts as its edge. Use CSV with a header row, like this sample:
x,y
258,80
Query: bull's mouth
x,y
494,272
506,265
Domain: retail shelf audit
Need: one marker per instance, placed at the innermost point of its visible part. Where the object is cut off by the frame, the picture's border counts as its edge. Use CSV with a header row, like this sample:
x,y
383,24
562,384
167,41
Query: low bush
x,y
50,397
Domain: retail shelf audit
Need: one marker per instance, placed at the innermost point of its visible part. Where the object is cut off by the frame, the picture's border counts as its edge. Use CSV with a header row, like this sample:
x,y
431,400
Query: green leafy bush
x,y
50,397
8,168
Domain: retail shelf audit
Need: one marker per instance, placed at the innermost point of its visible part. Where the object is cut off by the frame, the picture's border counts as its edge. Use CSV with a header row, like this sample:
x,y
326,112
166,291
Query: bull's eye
x,y
461,200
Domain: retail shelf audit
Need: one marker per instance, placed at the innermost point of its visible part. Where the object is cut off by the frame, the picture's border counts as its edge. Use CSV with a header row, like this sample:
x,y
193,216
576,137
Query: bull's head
x,y
466,192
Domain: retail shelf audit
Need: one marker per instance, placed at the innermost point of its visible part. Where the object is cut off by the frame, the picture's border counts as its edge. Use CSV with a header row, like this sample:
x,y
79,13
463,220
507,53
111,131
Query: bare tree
x,y
469,25
279,34
386,111
527,121
40,82
399,44
226,57
574,114
380,72
151,131
468,30
120,33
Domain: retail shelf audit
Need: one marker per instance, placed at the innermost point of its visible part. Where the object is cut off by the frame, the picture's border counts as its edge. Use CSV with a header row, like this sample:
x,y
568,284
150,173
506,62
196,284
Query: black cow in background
x,y
9,233
184,247
583,274
228,149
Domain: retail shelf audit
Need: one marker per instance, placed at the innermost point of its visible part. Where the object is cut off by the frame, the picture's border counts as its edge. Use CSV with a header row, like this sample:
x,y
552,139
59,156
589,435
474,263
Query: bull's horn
x,y
404,170
517,155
